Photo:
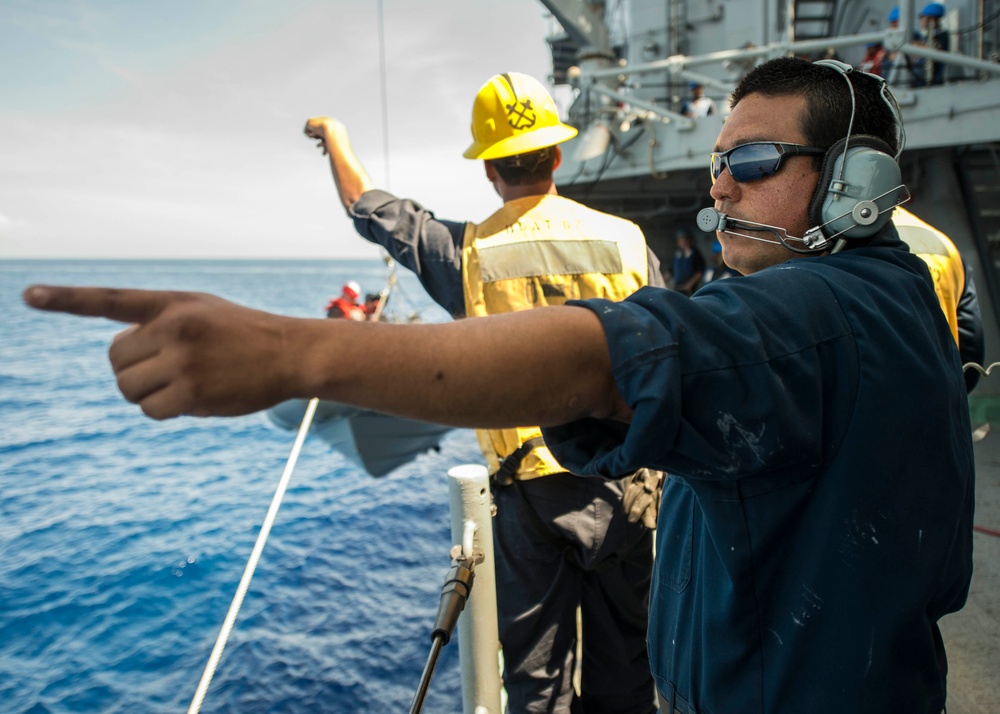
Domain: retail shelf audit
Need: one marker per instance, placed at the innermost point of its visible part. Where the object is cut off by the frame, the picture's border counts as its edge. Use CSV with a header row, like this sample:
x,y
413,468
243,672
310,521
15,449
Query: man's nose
x,y
726,187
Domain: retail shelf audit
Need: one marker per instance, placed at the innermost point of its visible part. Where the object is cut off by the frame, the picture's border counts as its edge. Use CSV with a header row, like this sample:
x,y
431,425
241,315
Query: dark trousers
x,y
577,548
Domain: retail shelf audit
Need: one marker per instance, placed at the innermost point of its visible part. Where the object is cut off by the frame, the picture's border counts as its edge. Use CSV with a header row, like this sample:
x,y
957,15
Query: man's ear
x,y
557,152
491,172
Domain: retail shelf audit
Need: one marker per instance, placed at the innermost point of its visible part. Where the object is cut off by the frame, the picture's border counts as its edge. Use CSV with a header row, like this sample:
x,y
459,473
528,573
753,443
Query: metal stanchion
x,y
478,637
472,560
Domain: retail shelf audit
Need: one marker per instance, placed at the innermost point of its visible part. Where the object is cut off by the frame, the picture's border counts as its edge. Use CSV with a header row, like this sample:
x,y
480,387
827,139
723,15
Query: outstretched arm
x,y
193,353
348,174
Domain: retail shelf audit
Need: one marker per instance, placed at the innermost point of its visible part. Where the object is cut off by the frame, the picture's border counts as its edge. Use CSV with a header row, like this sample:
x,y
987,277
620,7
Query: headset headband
x,y
845,69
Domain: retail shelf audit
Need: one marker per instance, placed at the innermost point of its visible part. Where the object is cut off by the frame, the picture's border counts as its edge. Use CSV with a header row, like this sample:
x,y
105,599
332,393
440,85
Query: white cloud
x,y
208,159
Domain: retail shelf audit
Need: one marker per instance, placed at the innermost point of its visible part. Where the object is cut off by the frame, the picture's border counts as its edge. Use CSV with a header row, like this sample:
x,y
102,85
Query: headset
x,y
859,186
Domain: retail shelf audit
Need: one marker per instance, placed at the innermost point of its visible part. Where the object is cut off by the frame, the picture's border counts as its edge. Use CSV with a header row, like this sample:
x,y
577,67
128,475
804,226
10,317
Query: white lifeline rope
x,y
265,529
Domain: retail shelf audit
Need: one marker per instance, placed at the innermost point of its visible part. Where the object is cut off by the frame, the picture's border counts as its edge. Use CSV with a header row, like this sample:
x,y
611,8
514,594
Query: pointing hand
x,y
185,353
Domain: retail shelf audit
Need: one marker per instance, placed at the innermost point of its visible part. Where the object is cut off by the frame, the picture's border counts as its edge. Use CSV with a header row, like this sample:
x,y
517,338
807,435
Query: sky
x,y
145,130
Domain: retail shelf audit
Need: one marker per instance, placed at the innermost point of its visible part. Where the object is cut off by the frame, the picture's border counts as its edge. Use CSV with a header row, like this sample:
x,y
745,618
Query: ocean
x,y
122,539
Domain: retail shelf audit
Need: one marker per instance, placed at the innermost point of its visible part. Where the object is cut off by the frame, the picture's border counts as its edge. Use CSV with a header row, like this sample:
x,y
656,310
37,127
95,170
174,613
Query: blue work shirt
x,y
817,521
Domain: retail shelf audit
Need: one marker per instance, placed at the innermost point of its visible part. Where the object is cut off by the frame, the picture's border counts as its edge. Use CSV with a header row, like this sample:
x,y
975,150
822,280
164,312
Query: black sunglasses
x,y
758,159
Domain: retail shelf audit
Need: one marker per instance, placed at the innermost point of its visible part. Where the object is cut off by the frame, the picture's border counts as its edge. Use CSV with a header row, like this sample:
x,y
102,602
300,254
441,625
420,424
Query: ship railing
x,y
610,83
666,115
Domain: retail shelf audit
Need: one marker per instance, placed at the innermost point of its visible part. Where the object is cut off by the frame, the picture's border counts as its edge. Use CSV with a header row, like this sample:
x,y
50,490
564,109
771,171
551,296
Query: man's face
x,y
778,200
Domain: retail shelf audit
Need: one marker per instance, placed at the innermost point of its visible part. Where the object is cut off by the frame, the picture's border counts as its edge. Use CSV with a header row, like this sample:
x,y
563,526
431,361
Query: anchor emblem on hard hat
x,y
520,115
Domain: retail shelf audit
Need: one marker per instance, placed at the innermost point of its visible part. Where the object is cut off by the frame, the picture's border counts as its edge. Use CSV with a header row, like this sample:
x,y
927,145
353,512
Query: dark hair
x,y
526,168
828,100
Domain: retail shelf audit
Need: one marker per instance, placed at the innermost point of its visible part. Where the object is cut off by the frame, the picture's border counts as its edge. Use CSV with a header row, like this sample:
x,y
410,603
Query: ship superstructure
x,y
625,69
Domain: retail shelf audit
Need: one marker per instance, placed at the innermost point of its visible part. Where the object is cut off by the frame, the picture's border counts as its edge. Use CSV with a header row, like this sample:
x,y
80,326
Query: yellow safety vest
x,y
538,251
942,258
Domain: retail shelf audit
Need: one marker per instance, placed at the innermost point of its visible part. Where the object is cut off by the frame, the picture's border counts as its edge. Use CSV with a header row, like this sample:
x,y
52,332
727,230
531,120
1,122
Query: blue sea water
x,y
122,540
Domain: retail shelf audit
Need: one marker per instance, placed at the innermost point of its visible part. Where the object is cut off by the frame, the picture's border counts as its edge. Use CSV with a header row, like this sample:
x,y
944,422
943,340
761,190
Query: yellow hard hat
x,y
513,114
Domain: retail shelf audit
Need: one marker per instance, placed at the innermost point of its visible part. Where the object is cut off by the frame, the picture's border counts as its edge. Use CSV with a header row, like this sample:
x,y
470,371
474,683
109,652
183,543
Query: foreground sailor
x,y
562,541
817,522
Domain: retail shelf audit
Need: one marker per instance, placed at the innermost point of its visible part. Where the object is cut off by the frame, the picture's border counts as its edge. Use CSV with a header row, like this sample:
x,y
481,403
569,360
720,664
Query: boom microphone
x,y
711,219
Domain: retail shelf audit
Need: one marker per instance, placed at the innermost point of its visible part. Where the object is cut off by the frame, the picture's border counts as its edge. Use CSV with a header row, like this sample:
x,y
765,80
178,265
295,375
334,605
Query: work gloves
x,y
641,498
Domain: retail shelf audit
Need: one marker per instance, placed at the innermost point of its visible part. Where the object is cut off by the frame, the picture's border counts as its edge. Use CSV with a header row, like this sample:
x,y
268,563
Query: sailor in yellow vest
x,y
953,284
562,540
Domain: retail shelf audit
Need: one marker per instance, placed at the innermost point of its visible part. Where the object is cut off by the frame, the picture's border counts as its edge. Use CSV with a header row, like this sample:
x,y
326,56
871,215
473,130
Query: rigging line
x,y
383,85
383,296
258,547
384,96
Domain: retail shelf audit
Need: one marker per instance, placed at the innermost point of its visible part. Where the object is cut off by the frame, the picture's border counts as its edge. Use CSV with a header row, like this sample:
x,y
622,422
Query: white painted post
x,y
478,638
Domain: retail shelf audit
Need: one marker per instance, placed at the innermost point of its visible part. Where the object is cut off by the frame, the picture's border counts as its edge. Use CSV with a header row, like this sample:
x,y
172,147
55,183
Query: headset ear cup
x,y
870,175
823,185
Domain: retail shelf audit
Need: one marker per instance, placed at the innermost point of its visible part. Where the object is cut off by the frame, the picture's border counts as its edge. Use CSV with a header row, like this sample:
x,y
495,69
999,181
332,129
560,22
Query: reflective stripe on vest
x,y
538,251
942,258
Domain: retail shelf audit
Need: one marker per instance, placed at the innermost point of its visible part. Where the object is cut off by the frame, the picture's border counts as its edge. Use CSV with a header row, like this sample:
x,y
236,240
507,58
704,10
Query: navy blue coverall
x,y
817,522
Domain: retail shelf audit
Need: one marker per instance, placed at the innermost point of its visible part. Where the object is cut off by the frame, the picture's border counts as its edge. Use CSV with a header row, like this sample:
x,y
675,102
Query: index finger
x,y
113,303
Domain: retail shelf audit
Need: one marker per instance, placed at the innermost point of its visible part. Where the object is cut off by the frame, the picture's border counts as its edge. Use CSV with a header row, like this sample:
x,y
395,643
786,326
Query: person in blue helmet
x,y
898,67
932,35
812,415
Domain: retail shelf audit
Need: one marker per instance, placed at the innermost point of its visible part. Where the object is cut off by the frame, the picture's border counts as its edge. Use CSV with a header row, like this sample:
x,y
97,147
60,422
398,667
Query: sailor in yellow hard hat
x,y
562,540
506,124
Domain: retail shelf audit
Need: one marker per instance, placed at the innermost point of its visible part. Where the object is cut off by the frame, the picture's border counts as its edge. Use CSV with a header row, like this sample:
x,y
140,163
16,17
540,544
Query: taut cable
x,y
258,547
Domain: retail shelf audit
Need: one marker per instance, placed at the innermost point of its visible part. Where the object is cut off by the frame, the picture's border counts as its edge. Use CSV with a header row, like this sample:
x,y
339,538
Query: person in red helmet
x,y
346,306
